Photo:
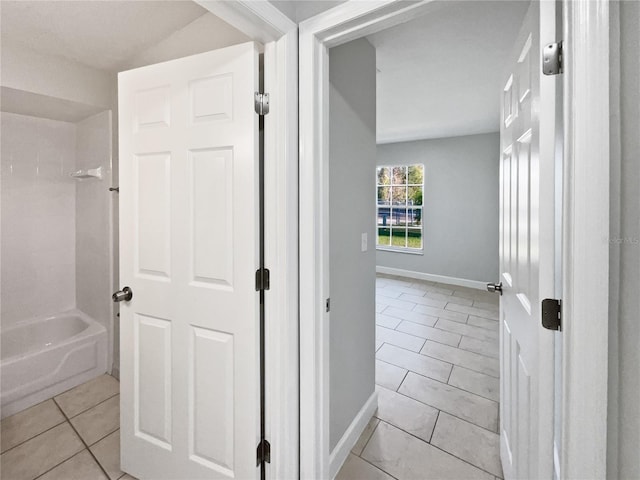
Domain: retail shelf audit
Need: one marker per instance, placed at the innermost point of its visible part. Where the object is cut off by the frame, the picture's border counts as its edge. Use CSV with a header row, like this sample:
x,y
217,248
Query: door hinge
x,y
263,452
327,305
552,59
551,314
261,103
262,279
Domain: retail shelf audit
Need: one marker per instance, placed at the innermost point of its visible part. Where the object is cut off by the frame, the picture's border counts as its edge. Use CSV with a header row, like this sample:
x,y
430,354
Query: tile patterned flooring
x,y
437,376
74,436
437,372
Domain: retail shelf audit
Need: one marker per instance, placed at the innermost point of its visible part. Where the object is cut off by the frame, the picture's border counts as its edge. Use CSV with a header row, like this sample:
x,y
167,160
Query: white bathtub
x,y
43,357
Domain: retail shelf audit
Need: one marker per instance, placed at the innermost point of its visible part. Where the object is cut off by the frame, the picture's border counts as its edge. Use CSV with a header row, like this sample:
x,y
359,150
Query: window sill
x,y
410,251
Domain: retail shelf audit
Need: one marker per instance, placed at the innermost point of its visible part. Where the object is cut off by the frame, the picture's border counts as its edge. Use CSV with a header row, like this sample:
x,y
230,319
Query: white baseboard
x,y
351,436
462,282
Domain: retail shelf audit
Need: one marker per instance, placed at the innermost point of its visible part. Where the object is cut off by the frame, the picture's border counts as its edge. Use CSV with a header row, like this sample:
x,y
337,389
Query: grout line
x,y
377,467
35,436
95,459
453,414
445,330
85,410
103,437
478,353
465,461
450,372
428,326
416,353
462,350
73,388
64,461
457,364
85,443
99,403
435,446
370,436
435,424
402,381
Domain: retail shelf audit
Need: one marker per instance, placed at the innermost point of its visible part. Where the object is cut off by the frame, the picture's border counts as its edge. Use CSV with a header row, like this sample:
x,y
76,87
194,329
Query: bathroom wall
x,y
94,220
38,255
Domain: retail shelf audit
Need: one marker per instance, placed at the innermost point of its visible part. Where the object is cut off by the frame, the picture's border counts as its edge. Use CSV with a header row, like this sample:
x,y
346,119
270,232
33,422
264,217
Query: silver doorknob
x,y
493,287
124,295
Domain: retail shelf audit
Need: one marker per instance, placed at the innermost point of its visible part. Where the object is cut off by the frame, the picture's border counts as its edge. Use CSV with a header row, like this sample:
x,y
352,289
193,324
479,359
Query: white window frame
x,y
391,247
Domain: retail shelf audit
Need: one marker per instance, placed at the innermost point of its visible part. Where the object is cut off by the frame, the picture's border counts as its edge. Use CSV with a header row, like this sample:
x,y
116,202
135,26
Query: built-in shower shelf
x,y
89,173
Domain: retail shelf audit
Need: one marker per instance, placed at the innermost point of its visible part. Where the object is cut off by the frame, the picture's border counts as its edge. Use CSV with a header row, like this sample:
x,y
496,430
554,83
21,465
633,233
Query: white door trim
x,y
264,23
586,240
586,198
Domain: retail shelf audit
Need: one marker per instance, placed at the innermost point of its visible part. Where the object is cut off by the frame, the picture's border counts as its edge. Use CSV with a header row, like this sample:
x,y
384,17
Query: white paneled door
x,y
189,217
527,140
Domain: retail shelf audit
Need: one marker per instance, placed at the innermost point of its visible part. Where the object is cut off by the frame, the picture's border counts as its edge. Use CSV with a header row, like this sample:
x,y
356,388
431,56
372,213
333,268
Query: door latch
x,y
494,287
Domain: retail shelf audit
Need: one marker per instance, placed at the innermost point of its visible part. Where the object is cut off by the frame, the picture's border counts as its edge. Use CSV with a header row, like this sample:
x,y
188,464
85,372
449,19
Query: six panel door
x,y
189,216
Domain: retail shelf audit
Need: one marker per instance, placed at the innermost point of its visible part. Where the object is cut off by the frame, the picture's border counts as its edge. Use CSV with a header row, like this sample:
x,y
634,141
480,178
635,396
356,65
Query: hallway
x,y
437,377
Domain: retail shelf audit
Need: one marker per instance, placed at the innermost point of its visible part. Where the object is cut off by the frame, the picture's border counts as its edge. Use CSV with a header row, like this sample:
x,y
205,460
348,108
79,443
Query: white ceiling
x,y
299,10
105,34
440,75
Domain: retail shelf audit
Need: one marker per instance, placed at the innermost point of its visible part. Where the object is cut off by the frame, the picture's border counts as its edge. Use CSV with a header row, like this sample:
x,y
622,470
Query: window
x,y
399,209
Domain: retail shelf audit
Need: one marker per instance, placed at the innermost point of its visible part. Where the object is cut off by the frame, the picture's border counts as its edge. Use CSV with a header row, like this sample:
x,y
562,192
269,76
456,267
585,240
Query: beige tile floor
x,y
437,376
437,379
74,436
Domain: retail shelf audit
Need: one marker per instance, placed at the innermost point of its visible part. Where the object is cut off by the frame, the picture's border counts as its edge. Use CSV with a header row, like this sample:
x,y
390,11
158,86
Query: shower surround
x,y
55,257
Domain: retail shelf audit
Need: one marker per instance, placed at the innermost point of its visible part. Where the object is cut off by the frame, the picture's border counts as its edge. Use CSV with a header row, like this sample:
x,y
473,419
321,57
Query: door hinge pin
x,y
552,61
263,452
262,279
551,314
261,103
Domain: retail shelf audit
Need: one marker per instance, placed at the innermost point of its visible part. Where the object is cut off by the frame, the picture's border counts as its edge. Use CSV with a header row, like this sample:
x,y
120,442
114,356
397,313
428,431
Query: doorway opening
x,y
414,151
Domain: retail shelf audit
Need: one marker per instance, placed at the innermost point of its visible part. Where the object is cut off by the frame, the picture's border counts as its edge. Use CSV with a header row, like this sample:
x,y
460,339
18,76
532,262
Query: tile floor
x,y
437,372
437,376
74,436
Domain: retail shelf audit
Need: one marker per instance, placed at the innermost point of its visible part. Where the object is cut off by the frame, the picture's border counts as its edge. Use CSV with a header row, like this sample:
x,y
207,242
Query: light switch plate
x,y
364,242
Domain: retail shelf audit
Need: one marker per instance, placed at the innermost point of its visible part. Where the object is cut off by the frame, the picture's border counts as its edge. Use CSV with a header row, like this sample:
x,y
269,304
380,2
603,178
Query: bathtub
x,y
43,357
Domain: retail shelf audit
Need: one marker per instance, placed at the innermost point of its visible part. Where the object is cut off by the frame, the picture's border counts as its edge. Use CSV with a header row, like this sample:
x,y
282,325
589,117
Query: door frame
x,y
585,249
264,23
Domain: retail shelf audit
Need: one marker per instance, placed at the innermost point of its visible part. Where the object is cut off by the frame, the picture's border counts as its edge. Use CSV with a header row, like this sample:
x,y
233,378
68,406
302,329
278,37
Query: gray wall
x,y
460,218
352,152
623,460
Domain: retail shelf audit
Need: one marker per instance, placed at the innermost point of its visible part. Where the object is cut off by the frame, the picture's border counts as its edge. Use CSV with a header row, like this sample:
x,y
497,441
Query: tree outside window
x,y
399,207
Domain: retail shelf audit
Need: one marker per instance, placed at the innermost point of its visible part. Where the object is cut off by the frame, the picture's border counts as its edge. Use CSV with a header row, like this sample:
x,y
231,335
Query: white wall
x,y
352,152
93,220
206,33
30,71
623,439
38,217
460,216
